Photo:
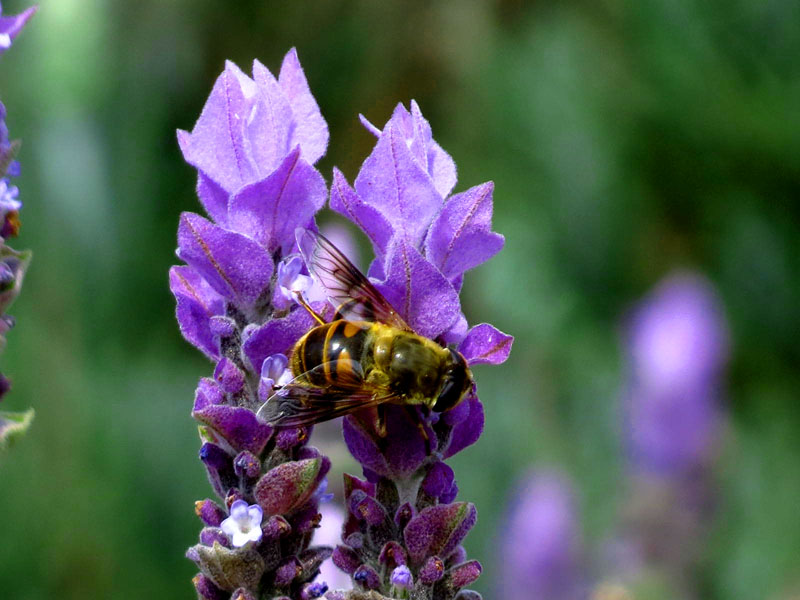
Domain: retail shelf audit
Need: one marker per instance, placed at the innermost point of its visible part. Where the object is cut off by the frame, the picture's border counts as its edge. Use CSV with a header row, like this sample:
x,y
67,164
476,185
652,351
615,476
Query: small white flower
x,y
275,372
292,282
244,524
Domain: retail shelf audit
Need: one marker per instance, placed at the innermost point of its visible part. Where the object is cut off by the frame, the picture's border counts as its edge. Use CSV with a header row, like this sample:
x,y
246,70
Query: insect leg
x,y
302,302
380,422
413,413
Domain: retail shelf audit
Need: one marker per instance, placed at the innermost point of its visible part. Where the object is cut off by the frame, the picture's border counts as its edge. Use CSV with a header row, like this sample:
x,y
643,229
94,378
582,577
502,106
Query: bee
x,y
366,357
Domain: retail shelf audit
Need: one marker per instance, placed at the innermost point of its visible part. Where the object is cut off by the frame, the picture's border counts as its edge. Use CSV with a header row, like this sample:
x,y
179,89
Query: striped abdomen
x,y
337,341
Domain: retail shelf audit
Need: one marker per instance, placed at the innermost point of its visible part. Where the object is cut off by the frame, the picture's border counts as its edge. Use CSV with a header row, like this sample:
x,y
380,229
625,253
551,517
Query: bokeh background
x,y
625,139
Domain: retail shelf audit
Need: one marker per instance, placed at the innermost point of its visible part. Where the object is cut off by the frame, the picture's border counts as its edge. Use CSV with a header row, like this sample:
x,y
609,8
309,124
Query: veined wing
x,y
356,297
302,403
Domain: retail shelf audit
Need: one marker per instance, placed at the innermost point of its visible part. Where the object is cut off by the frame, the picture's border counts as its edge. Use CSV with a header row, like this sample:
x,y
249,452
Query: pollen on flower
x,y
244,524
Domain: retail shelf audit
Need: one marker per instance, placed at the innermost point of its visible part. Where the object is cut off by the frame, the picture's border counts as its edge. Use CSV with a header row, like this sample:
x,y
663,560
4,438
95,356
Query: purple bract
x,y
404,528
253,147
10,27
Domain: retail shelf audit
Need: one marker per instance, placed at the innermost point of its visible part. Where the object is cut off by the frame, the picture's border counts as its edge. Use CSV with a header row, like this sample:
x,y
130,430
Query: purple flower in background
x,y
13,264
404,530
253,146
539,553
10,27
677,346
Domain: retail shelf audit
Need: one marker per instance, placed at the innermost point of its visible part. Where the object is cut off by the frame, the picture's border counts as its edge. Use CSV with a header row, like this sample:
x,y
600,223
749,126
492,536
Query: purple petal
x,y
352,483
486,345
346,202
461,237
206,590
363,446
213,198
247,465
234,265
439,480
275,337
392,182
367,577
425,299
440,165
438,530
239,426
270,123
402,577
219,465
270,210
229,377
469,429
366,508
211,535
429,155
392,554
207,394
196,303
311,130
290,437
11,26
402,451
209,512
432,571
287,571
216,145
346,559
457,332
222,327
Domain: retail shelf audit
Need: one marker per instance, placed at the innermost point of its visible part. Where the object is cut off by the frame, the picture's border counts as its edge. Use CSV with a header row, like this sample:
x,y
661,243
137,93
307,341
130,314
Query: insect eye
x,y
449,396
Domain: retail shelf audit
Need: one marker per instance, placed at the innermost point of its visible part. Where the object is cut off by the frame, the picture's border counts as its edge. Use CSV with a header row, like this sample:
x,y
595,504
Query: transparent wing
x,y
301,403
356,297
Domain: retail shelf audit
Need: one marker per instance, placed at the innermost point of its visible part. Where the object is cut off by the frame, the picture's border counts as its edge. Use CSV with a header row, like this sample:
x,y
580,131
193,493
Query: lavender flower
x,y
539,555
677,347
253,146
13,264
404,514
244,524
10,27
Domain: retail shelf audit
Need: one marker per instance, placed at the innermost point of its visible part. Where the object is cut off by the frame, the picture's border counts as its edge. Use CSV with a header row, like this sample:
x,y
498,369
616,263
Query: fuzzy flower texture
x,y
254,147
13,264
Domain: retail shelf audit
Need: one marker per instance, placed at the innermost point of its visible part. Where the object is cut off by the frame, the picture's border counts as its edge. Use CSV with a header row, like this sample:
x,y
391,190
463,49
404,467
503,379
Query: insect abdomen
x,y
337,341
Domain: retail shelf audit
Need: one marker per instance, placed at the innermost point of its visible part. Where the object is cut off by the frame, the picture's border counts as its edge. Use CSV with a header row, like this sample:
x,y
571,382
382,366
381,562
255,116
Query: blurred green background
x,y
625,139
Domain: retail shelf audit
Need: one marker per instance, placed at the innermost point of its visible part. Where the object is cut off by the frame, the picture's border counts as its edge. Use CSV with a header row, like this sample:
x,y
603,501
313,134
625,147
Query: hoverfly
x,y
366,357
